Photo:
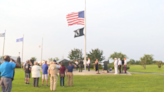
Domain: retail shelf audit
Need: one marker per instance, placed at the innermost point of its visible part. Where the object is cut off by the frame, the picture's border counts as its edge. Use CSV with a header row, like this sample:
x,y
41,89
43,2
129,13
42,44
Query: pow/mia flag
x,y
79,32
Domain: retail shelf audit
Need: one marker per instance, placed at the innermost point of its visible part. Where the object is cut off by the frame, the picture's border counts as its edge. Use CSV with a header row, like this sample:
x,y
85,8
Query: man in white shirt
x,y
76,64
88,64
119,65
125,63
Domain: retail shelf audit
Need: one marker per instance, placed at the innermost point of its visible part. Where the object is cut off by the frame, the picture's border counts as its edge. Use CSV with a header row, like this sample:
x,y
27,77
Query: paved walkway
x,y
92,72
147,73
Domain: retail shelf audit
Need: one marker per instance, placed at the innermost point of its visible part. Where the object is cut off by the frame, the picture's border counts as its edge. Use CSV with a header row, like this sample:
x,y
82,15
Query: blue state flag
x,y
19,40
2,34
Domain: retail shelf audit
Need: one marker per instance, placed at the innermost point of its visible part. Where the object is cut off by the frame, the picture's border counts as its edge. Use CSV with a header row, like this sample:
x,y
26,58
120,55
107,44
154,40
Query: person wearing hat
x,y
53,73
7,71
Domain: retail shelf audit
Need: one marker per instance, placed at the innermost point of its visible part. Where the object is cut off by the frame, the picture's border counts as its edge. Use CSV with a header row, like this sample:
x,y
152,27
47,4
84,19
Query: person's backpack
x,y
27,66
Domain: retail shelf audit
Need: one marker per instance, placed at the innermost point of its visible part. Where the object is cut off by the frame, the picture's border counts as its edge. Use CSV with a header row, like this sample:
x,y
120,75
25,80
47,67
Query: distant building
x,y
65,61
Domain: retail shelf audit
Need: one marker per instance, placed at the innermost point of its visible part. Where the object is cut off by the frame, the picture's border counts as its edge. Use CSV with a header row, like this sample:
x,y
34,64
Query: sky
x,y
133,27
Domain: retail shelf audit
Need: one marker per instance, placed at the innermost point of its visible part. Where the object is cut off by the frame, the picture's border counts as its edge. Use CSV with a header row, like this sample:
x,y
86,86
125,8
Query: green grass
x,y
149,69
98,83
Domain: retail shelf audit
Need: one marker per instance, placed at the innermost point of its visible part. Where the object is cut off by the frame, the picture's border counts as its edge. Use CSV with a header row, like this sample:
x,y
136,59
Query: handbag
x,y
62,75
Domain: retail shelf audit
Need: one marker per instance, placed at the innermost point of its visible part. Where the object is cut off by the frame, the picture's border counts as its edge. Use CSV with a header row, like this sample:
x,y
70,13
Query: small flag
x,y
75,18
2,34
19,40
79,32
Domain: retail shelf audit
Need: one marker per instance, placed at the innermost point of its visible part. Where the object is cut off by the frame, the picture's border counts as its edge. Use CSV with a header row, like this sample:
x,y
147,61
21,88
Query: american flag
x,y
75,18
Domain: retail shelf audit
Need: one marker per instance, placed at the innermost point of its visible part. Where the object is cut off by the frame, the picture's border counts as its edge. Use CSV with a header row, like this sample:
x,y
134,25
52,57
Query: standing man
x,y
27,69
80,66
125,63
69,73
119,65
53,73
7,71
45,74
88,64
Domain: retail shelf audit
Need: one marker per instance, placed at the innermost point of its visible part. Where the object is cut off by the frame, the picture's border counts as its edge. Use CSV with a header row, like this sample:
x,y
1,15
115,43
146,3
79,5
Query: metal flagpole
x,y
3,47
22,47
41,49
85,37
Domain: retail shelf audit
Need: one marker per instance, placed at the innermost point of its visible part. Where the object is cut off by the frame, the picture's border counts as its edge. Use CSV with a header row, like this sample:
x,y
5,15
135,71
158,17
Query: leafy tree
x,y
154,62
146,59
131,61
137,62
117,55
75,54
51,59
95,54
56,58
159,64
33,59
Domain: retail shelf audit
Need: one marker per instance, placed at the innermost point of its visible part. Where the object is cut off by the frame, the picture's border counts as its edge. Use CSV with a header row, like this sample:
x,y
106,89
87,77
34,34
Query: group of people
x,y
118,64
88,63
80,65
48,71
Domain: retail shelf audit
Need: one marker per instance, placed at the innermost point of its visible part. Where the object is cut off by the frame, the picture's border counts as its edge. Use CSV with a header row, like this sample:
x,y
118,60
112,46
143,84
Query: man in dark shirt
x,y
70,74
27,69
80,66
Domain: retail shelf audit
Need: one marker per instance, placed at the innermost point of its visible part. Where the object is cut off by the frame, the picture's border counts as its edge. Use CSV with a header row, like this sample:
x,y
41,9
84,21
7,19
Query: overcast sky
x,y
133,27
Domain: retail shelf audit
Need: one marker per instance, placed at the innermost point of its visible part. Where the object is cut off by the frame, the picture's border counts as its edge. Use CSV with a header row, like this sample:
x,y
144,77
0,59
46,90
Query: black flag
x,y
79,32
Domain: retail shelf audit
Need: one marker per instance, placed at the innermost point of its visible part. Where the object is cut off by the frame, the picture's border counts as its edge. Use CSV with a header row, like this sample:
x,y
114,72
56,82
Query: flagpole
x,y
85,37
3,46
41,49
22,47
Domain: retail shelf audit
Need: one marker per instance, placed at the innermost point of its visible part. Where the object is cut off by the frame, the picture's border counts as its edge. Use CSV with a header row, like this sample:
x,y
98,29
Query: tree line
x,y
76,54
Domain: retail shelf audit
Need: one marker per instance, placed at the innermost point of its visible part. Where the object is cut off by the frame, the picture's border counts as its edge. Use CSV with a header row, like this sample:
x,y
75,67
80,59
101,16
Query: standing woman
x,y
116,66
36,74
62,74
96,66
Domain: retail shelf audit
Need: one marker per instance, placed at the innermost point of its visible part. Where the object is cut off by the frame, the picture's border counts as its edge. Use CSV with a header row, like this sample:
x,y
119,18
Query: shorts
x,y
27,75
45,76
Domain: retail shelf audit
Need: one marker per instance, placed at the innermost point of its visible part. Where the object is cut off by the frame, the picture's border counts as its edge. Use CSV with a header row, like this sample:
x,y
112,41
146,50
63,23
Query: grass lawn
x,y
99,83
149,68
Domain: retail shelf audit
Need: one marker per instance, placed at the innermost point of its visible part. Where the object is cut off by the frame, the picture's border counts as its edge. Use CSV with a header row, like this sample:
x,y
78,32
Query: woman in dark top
x,y
62,74
96,66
